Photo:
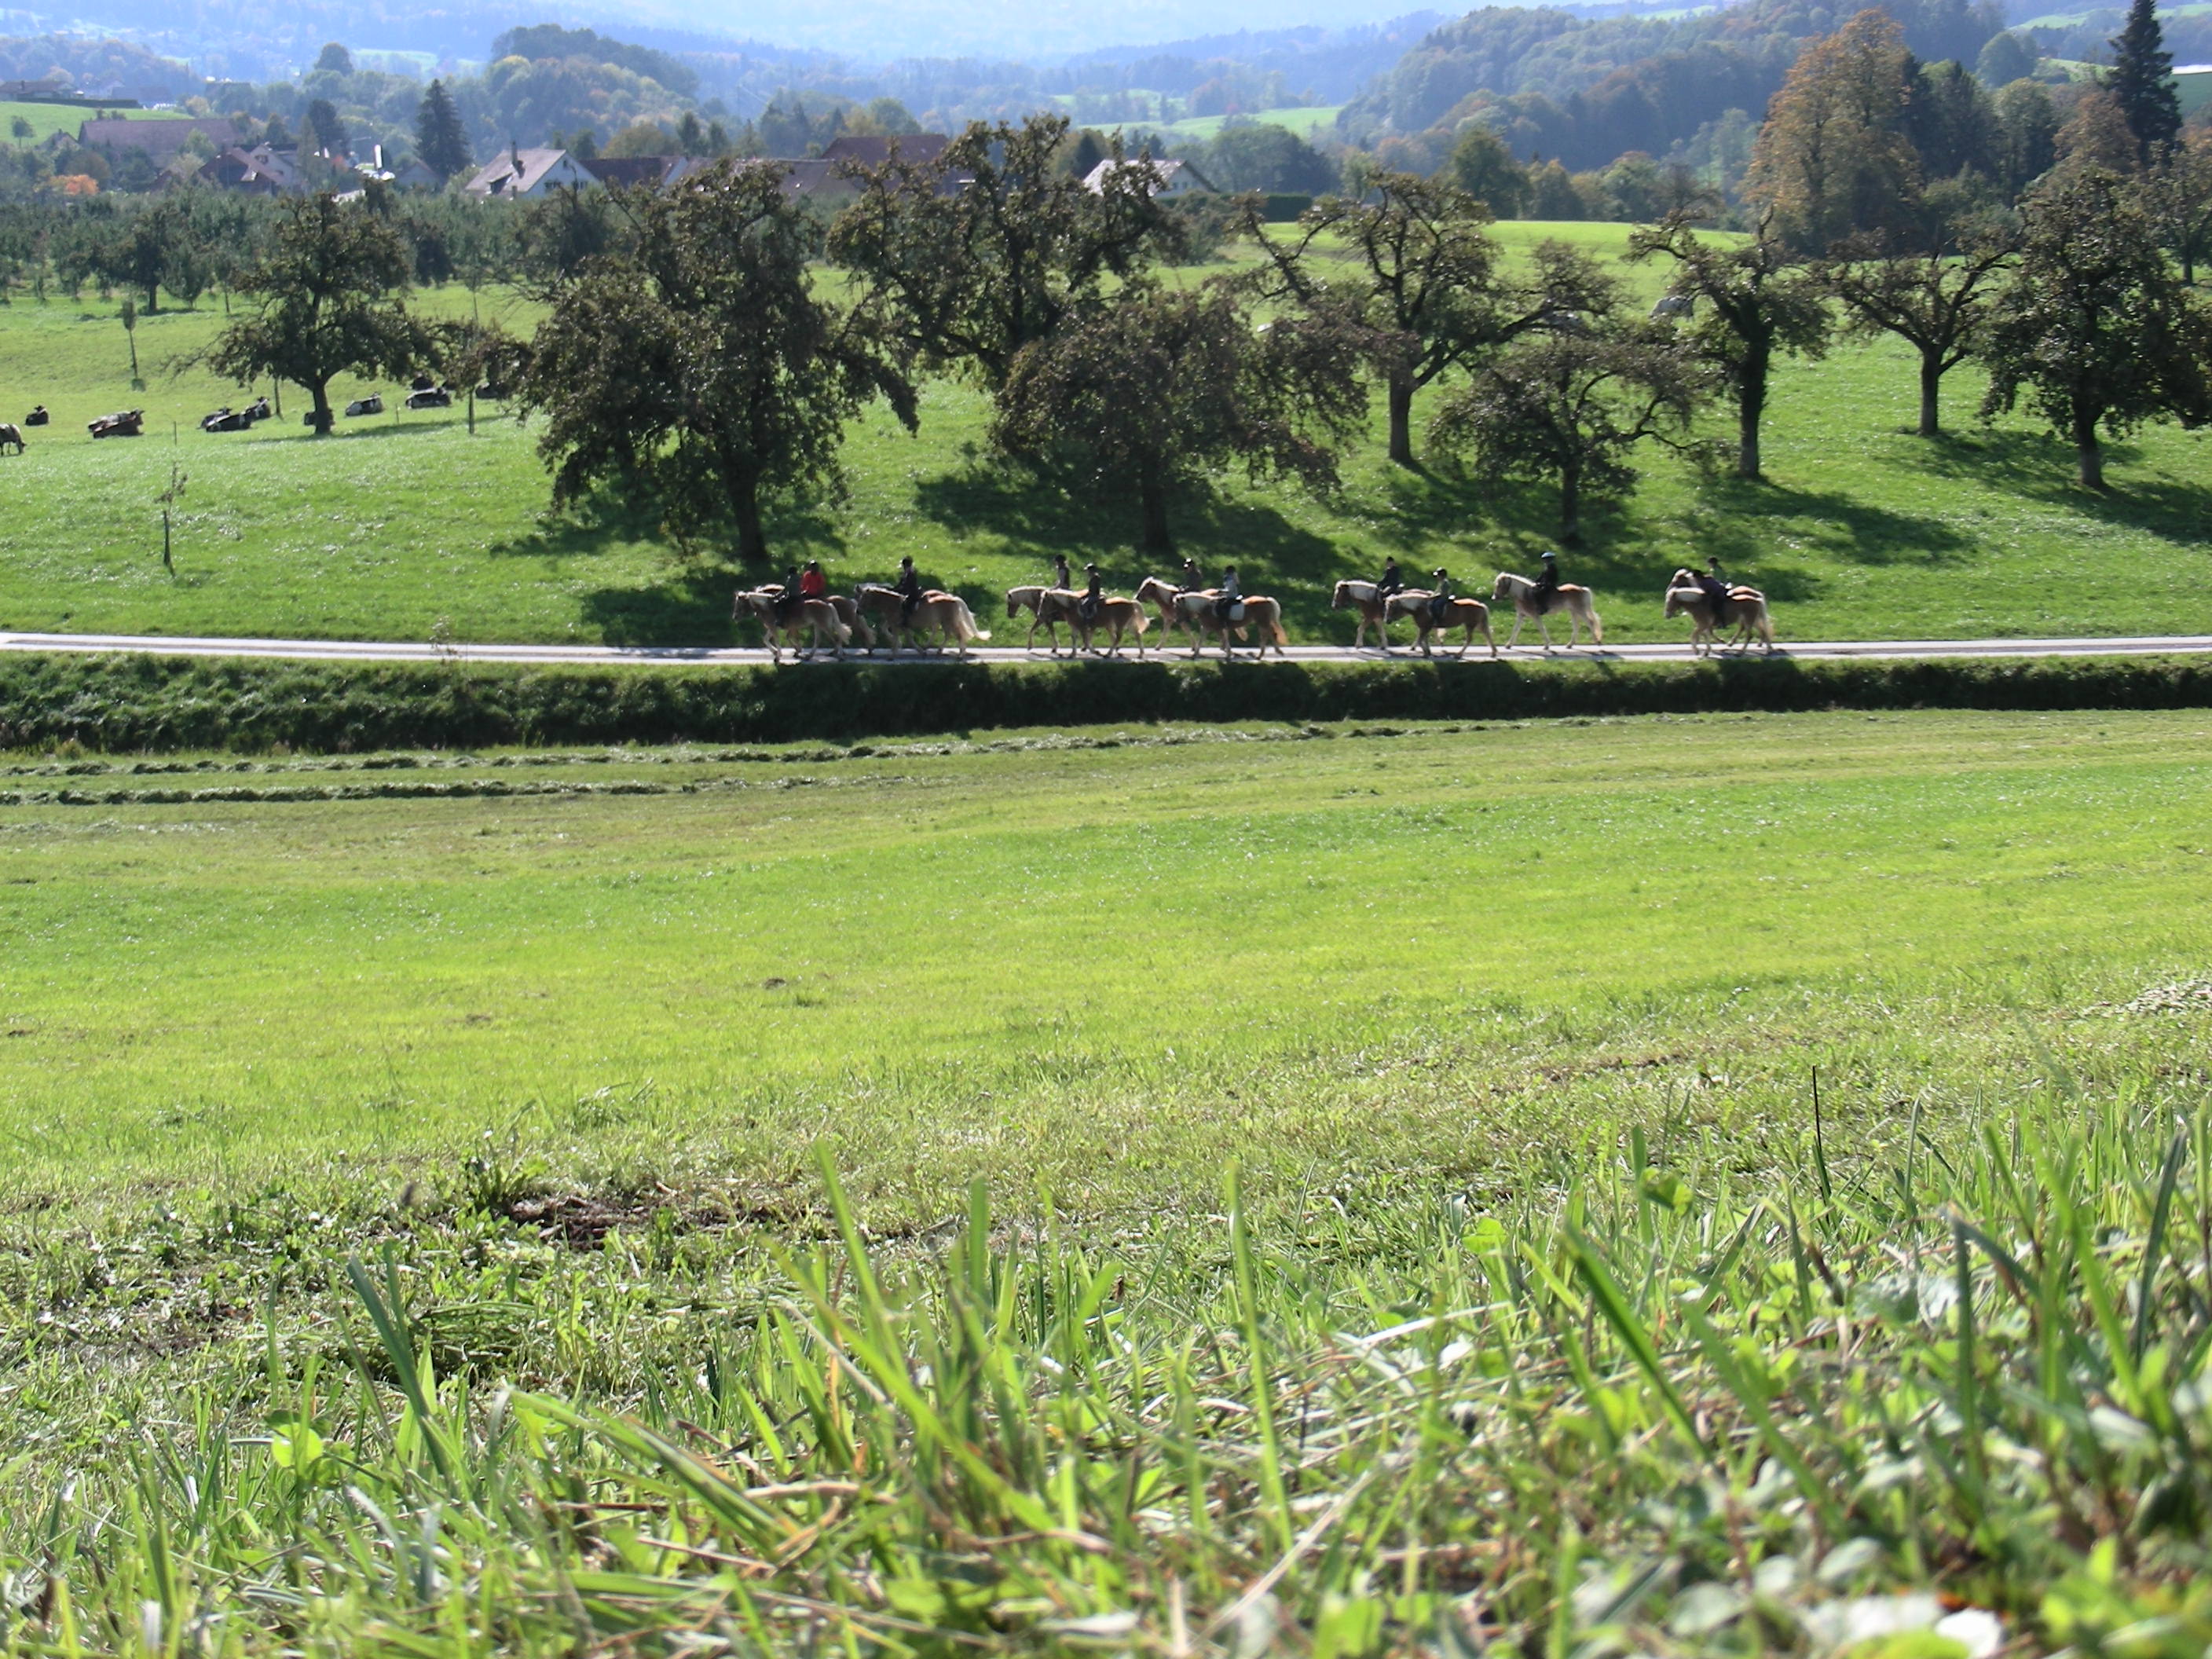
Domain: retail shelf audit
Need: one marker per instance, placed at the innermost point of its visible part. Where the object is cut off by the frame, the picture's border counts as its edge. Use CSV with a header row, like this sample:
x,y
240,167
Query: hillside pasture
x,y
47,119
1862,531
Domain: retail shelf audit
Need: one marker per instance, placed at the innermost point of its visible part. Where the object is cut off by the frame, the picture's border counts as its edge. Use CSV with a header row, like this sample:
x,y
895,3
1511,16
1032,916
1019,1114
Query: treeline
x,y
1585,91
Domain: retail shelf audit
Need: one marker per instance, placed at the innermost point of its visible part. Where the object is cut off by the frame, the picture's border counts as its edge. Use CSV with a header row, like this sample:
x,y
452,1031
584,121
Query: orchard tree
x,y
2095,330
440,138
1424,281
2177,195
694,371
1482,165
330,288
2140,81
1753,301
1156,388
990,246
1933,293
1572,403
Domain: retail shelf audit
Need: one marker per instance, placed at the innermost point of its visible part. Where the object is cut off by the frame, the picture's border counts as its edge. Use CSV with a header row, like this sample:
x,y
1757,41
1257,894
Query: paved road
x,y
407,651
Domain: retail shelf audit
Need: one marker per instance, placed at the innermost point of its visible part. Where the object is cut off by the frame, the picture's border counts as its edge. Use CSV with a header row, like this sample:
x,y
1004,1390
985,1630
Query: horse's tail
x,y
964,622
1273,622
1597,627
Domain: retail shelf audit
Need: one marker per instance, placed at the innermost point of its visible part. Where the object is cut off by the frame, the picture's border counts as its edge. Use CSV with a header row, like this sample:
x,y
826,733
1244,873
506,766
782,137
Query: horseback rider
x,y
812,584
1547,585
789,599
1093,597
908,587
1440,601
1392,582
1714,586
1232,595
1060,576
1192,578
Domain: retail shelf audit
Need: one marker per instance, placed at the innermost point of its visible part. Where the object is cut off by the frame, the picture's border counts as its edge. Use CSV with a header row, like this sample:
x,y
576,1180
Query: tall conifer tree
x,y
440,138
2142,81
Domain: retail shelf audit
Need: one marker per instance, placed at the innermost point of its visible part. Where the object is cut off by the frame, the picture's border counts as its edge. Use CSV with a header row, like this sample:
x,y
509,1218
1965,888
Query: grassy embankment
x,y
1864,531
1550,1312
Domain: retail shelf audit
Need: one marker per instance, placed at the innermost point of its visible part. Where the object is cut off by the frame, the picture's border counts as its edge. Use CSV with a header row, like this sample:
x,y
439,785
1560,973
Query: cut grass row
x,y
402,521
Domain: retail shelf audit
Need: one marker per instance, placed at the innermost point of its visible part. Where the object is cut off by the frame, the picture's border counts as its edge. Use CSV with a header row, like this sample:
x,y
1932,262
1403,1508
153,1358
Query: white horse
x,y
1745,607
1364,598
1575,601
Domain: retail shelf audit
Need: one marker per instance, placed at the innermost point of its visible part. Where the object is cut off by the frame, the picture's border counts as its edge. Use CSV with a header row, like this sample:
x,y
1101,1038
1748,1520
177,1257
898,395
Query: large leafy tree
x,y
1423,279
991,245
1157,388
1834,157
441,139
330,287
694,372
2140,82
2095,330
1753,302
1933,293
1572,400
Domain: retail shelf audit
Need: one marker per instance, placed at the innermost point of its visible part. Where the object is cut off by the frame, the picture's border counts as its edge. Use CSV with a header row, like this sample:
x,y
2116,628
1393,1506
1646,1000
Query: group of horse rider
x,y
807,582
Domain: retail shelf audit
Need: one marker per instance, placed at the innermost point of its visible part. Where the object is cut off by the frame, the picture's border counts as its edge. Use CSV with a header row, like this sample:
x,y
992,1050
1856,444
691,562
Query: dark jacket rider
x,y
1093,595
1440,601
909,587
1715,589
1060,576
1547,585
1392,582
786,603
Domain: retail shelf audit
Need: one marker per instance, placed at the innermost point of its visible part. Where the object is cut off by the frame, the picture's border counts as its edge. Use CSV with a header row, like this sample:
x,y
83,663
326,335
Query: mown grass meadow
x,y
1665,1186
406,520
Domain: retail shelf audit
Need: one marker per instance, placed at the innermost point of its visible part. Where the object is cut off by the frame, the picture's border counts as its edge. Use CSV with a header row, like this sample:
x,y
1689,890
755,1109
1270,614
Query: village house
x,y
1174,179
530,174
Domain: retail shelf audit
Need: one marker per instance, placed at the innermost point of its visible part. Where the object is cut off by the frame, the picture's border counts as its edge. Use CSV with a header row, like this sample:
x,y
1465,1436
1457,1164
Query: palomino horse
x,y
1373,613
944,615
10,434
1048,607
1118,617
1193,609
1746,608
815,617
1575,601
1470,617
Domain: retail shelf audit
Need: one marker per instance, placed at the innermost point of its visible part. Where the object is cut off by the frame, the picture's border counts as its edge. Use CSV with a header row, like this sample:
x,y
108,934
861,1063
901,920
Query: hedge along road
x,y
589,655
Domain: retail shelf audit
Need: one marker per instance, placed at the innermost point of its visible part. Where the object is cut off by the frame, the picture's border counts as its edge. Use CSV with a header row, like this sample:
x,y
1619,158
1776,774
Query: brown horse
x,y
1116,617
946,614
814,617
1193,609
1470,617
1746,608
1374,612
10,434
1032,599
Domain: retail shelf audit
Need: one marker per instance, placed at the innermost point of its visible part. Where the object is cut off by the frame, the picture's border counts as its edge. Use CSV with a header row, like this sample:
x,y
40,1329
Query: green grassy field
x,y
1304,119
47,119
1864,532
417,1236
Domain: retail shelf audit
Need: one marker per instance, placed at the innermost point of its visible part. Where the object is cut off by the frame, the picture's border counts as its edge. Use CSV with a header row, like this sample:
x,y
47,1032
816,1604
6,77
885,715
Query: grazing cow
x,y
10,434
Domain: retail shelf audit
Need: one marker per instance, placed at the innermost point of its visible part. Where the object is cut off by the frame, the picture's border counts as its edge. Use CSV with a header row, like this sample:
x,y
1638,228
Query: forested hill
x,y
1586,89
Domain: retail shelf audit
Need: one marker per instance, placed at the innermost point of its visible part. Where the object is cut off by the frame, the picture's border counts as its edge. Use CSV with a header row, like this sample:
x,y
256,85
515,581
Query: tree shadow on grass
x,y
2040,467
1022,511
1736,519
